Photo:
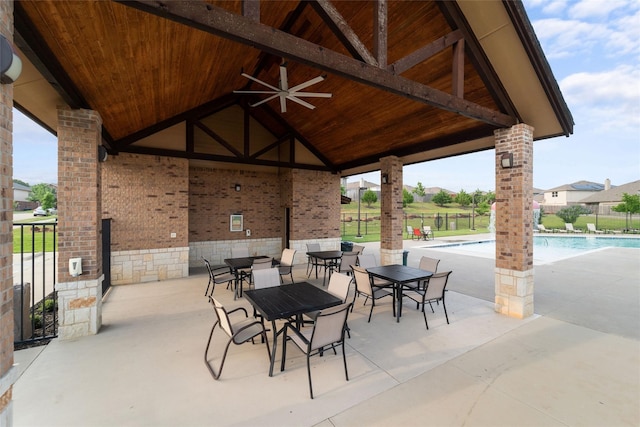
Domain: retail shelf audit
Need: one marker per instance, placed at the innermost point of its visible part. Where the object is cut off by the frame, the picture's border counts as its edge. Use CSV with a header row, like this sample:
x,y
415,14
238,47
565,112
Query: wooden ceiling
x,y
408,78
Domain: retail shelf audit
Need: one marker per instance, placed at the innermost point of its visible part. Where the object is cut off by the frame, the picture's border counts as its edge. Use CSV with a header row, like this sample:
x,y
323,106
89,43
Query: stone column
x,y
79,222
514,222
8,374
391,211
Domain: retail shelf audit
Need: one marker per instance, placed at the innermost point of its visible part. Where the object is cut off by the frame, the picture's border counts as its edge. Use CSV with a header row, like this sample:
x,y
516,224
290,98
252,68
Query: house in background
x,y
21,197
571,194
602,202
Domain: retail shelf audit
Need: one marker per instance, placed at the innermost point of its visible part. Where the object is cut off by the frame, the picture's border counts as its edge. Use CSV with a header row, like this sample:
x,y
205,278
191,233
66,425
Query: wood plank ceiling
x,y
146,65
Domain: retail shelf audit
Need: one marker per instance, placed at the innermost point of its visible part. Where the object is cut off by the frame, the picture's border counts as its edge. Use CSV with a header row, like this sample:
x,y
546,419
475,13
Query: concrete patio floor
x,y
576,362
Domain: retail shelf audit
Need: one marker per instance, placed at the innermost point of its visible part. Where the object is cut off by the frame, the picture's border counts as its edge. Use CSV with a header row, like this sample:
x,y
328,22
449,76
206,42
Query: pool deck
x,y
576,362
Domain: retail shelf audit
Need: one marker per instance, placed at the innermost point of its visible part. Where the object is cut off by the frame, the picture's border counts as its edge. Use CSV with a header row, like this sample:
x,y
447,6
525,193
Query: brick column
x,y
514,223
8,374
391,211
79,222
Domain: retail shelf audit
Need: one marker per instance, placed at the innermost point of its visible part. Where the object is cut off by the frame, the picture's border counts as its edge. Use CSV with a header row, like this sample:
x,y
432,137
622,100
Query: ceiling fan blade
x,y
307,84
264,100
283,103
311,94
301,102
284,81
256,91
259,81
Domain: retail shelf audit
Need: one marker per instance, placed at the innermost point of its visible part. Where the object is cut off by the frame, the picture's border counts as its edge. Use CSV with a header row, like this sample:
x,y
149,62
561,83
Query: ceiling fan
x,y
284,92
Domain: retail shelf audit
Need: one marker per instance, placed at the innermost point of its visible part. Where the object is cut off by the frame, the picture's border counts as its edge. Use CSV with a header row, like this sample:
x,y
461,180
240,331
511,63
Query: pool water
x,y
546,249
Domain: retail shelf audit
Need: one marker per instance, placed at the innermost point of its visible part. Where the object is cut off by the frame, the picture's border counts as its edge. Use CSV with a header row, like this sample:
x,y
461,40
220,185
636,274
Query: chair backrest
x,y
367,260
239,252
409,229
591,227
329,326
347,260
358,249
261,263
437,285
313,247
568,226
266,278
542,227
426,228
363,282
287,257
206,263
429,264
339,285
222,315
417,232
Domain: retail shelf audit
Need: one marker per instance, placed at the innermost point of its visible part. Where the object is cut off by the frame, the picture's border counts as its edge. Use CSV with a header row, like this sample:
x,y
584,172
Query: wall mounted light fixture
x,y
385,178
10,63
237,187
506,160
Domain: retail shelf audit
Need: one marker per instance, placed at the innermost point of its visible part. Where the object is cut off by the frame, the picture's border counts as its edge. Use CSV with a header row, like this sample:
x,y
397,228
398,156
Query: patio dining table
x,y
286,301
329,261
399,275
237,265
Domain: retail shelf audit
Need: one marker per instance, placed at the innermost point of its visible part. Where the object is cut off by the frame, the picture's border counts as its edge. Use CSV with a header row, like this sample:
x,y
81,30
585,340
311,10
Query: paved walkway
x,y
577,362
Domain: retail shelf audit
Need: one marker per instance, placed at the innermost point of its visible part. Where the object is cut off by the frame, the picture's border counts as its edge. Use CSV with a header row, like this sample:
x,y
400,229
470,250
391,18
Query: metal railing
x,y
34,273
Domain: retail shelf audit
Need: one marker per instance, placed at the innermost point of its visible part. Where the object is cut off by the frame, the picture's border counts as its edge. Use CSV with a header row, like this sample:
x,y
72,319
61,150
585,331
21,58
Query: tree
x,y
343,191
482,208
420,191
489,197
407,198
442,198
630,204
48,201
19,181
369,197
463,198
39,191
570,215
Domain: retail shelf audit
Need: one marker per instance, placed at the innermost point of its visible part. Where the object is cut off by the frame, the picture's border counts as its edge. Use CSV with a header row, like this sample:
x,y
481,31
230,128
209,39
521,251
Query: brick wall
x,y
315,205
6,219
213,198
147,199
391,222
79,222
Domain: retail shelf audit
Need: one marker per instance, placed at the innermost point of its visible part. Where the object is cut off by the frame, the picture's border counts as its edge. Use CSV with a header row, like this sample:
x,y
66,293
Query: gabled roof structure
x,y
418,80
614,194
580,186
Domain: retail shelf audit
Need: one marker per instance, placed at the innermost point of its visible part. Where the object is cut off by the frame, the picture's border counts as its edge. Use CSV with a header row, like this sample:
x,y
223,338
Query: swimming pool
x,y
546,249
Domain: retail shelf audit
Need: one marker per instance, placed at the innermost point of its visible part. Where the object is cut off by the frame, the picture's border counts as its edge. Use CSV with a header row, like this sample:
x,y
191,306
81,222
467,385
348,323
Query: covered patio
x,y
557,368
163,132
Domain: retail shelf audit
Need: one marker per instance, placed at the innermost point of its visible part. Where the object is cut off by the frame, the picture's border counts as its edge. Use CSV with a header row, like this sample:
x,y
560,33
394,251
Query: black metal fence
x,y
34,273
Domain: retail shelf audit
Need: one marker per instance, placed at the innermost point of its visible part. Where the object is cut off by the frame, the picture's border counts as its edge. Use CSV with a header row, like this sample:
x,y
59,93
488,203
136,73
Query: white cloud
x,y
562,38
595,8
608,100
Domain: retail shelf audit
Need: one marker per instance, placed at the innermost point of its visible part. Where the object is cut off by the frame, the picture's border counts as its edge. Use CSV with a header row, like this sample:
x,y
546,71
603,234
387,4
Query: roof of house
x,y
614,194
18,186
417,80
579,186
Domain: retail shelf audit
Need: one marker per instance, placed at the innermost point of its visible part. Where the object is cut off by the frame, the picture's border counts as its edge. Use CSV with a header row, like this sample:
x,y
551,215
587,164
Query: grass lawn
x,y
34,238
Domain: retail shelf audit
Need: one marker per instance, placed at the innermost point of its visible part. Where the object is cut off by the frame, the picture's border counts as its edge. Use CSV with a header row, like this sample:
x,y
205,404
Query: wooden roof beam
x,y
425,52
343,31
222,23
380,29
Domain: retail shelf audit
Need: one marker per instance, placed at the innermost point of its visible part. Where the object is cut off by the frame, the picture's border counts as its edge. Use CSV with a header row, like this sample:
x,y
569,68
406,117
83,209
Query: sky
x,y
593,48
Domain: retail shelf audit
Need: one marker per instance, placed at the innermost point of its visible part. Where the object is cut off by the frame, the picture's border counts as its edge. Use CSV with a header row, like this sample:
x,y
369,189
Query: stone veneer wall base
x,y
81,303
149,265
391,256
216,251
514,292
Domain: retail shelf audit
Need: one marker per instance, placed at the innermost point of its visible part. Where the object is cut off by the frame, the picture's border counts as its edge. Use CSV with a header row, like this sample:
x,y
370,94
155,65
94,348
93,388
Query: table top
x,y
325,254
281,302
398,273
244,262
